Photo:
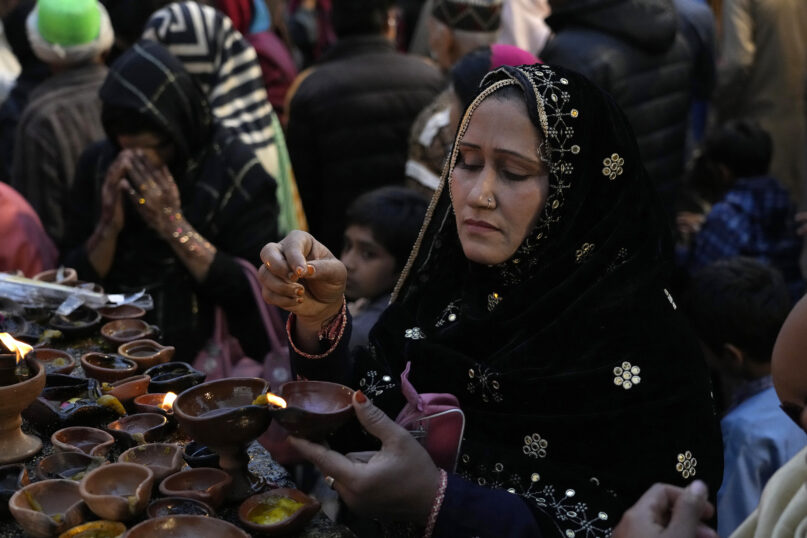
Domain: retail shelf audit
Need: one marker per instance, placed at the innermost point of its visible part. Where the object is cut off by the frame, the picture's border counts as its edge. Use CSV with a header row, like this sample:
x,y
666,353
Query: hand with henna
x,y
154,193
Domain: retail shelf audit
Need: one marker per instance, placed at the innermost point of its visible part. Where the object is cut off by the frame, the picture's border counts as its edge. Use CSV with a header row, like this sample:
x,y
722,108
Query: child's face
x,y
370,267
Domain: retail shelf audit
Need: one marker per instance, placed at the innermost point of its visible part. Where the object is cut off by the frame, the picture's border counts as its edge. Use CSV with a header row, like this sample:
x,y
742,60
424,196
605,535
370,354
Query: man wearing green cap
x,y
63,115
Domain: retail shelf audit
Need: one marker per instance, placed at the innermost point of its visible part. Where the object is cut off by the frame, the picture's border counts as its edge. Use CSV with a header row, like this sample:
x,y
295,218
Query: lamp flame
x,y
168,401
275,400
20,348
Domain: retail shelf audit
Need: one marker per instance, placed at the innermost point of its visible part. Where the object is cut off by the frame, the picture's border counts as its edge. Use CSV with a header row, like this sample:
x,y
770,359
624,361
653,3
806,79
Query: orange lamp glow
x,y
20,348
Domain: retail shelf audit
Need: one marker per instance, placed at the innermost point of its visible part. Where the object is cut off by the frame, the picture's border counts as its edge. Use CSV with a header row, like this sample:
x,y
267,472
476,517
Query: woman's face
x,y
499,185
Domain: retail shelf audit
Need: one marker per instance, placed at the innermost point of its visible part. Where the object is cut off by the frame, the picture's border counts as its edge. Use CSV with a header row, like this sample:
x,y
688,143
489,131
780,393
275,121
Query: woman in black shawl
x,y
168,201
581,384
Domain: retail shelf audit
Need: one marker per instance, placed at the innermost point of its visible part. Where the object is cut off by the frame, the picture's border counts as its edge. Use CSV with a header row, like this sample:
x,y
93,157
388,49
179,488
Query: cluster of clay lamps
x,y
21,381
121,491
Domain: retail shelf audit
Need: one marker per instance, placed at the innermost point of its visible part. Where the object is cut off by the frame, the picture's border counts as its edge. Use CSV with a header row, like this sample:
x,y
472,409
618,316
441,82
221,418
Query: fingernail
x,y
311,270
300,271
300,291
698,489
299,300
292,276
267,265
360,397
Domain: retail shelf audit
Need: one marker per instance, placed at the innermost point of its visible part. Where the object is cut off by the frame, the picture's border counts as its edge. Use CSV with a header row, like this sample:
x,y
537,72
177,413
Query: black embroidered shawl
x,y
581,383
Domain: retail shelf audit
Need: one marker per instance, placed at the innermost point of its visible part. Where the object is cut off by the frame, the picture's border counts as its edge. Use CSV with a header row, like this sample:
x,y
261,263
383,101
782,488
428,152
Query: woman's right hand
x,y
112,193
299,274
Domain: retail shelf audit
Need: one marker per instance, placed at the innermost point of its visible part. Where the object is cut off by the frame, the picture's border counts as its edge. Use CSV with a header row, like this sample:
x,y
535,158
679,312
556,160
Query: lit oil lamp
x,y
168,401
310,409
21,381
13,367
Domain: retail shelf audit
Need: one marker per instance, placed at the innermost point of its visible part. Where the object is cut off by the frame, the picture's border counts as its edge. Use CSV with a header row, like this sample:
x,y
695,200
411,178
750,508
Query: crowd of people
x,y
577,225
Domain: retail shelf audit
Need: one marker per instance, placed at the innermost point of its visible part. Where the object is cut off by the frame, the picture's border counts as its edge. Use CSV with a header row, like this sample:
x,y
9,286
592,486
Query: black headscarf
x,y
581,384
226,195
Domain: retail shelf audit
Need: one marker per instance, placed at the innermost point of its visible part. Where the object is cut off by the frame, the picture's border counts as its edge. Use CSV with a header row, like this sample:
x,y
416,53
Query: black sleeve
x,y
300,139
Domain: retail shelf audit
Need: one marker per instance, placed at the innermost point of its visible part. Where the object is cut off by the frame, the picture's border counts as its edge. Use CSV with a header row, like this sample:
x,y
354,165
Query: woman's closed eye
x,y
468,162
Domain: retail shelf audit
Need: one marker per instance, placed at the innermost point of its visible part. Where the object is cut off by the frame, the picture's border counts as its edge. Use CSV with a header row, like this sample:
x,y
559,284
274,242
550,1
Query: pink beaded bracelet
x,y
332,332
438,503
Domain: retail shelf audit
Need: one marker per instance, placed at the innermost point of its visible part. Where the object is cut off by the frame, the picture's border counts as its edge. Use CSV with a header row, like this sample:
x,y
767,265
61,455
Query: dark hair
x,y
359,17
738,301
393,215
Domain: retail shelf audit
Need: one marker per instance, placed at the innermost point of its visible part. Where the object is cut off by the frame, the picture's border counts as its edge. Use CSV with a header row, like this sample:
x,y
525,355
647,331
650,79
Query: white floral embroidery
x,y
414,333
483,380
627,375
686,464
570,516
535,446
373,385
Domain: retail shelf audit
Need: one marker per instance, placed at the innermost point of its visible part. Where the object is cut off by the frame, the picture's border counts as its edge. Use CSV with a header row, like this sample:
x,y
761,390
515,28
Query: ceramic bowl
x,y
107,367
96,529
278,511
91,441
146,353
185,527
173,377
178,506
60,498
52,275
81,322
118,491
122,311
67,465
152,403
55,361
164,459
139,429
203,484
12,478
121,331
315,409
198,455
67,401
128,388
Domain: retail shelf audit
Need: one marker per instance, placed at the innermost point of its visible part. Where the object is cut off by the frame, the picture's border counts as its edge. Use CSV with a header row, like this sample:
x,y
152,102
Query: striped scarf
x,y
226,67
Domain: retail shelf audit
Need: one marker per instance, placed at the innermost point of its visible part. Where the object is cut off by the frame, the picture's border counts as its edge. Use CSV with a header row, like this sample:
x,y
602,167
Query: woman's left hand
x,y
398,482
155,195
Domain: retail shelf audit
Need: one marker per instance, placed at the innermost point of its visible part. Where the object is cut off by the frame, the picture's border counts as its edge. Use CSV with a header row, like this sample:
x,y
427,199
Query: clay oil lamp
x,y
62,275
12,478
121,331
107,367
178,506
81,322
55,361
96,529
185,527
314,409
203,484
67,465
118,491
14,324
84,285
21,381
278,511
173,377
71,401
221,415
164,459
198,455
127,389
146,353
122,311
90,441
139,429
156,402
48,508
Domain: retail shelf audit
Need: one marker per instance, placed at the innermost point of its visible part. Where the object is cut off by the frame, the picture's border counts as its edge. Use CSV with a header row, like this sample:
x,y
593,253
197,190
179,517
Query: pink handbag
x,y
435,420
223,357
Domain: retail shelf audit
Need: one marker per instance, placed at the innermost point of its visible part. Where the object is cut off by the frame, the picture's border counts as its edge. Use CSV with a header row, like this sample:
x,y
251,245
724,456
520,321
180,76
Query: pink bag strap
x,y
269,315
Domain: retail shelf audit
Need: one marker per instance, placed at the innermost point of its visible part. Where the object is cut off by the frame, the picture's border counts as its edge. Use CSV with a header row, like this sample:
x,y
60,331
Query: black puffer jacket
x,y
652,57
349,123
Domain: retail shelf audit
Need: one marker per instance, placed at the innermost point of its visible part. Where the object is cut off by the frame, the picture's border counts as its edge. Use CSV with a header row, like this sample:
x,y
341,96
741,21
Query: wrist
x,y
319,323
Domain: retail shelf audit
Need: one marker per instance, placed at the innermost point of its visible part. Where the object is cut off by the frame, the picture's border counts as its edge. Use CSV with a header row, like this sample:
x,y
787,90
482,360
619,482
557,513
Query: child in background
x,y
382,226
737,307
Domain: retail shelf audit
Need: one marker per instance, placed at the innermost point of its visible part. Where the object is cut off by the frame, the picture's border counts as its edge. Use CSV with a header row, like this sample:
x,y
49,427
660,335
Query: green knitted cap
x,y
68,22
